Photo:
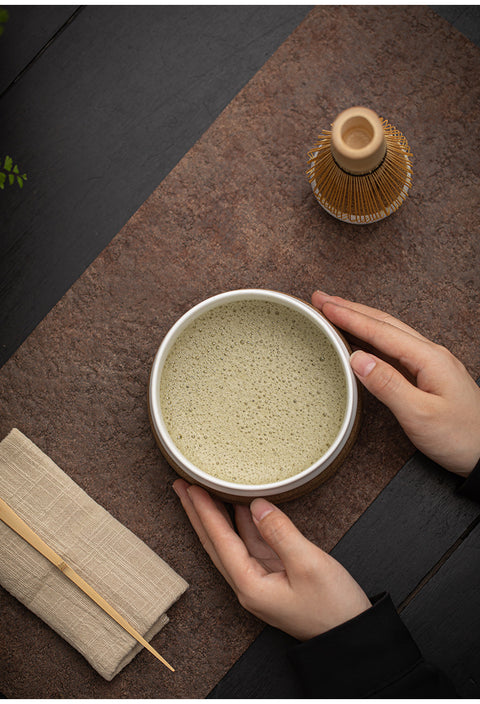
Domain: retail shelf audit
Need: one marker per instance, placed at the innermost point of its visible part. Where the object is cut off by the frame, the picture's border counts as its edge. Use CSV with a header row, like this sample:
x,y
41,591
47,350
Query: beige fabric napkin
x,y
125,571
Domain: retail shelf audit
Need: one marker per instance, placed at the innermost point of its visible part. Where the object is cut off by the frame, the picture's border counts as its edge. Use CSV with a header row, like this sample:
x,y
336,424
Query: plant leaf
x,y
20,182
8,163
11,179
16,169
3,15
2,179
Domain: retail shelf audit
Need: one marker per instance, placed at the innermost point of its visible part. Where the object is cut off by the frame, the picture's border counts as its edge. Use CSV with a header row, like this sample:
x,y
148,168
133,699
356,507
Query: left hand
x,y
277,574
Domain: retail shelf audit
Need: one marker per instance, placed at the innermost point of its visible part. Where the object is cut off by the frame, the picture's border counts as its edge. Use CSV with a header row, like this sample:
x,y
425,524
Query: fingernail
x,y
362,363
320,298
260,508
177,488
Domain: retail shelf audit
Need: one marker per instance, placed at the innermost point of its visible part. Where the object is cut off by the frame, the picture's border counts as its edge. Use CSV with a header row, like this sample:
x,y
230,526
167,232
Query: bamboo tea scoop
x,y
8,516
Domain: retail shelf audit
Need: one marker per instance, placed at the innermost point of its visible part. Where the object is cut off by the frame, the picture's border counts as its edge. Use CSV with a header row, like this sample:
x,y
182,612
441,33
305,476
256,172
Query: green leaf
x,y
20,182
11,179
3,15
8,163
16,169
2,179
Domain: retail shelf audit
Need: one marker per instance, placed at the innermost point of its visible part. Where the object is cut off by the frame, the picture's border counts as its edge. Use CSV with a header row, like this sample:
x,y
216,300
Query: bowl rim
x,y
235,488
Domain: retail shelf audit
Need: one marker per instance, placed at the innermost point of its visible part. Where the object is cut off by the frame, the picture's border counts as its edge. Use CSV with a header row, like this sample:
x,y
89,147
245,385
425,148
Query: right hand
x,y
440,410
277,574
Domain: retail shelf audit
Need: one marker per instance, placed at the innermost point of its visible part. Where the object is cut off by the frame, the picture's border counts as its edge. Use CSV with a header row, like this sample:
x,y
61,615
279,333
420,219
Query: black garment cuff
x,y
471,486
359,657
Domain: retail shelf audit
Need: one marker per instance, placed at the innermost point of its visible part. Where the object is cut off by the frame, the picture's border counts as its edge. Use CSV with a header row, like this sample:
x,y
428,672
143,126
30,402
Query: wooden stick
x,y
8,516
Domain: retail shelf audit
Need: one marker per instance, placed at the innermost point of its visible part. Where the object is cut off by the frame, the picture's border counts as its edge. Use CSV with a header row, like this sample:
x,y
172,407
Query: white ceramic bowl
x,y
280,490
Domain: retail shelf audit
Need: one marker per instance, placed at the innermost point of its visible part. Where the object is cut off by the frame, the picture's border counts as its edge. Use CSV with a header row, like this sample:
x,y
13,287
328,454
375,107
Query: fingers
x,y
388,385
246,527
282,536
390,337
256,545
319,298
212,525
181,489
393,338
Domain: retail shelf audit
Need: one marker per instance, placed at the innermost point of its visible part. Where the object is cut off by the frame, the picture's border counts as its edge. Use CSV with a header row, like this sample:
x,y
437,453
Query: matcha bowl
x,y
251,394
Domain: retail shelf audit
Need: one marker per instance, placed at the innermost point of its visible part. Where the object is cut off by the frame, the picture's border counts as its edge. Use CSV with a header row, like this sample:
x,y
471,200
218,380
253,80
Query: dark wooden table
x,y
156,177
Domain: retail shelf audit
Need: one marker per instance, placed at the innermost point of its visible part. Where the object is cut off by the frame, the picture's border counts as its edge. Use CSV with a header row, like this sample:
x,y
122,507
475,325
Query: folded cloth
x,y
117,564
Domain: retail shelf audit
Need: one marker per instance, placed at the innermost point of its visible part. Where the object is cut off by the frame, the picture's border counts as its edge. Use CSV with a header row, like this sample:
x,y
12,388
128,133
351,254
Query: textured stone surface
x,y
237,212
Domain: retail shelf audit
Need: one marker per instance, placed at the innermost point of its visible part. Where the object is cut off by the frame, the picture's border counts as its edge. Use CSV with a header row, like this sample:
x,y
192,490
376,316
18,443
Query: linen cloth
x,y
115,562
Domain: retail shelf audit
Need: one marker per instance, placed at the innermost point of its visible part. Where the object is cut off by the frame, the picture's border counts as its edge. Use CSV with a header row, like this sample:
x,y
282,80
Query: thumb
x,y
386,383
279,532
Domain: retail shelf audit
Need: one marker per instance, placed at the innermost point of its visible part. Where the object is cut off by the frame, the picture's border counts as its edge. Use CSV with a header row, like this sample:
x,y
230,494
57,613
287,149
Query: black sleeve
x,y
471,485
372,655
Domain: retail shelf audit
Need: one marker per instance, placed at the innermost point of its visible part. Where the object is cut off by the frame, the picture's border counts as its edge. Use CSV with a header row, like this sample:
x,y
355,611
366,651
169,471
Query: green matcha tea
x,y
253,392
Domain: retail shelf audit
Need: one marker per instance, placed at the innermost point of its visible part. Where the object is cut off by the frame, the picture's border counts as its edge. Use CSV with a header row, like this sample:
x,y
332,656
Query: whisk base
x,y
368,219
367,197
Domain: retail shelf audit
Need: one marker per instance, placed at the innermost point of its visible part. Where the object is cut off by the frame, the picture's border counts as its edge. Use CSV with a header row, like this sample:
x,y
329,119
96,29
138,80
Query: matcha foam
x,y
253,392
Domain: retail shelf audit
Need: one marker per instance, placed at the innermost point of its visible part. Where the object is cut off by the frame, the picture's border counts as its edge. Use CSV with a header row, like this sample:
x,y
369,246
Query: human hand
x,y
440,410
277,574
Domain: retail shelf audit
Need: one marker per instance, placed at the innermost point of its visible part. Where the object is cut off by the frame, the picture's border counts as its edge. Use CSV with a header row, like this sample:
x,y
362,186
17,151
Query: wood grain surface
x,y
26,35
99,119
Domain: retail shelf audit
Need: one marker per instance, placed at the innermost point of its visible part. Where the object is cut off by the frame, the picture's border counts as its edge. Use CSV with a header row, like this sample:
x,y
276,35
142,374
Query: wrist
x,y
469,465
335,619
471,486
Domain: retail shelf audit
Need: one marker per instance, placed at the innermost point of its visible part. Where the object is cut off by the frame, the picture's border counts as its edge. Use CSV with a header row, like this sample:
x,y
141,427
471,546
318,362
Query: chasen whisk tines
x,y
360,171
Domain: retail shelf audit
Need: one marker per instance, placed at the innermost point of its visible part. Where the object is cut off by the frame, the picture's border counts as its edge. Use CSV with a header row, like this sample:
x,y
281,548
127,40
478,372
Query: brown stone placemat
x,y
237,211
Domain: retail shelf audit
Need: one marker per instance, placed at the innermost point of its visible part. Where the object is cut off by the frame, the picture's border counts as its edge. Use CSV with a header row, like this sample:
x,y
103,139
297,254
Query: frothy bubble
x,y
253,392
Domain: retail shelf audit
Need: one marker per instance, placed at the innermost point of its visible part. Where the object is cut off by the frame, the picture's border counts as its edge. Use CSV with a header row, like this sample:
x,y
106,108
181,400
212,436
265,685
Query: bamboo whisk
x,y
360,170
